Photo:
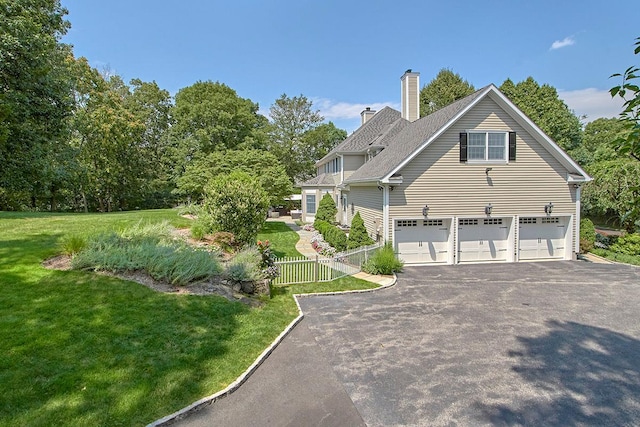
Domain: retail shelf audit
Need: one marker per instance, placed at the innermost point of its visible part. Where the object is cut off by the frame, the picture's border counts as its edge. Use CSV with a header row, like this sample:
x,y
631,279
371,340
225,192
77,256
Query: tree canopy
x,y
291,118
445,88
269,173
35,95
542,105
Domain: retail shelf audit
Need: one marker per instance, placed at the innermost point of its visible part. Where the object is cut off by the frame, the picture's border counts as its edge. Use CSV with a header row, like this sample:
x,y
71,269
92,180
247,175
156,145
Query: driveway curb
x,y
263,356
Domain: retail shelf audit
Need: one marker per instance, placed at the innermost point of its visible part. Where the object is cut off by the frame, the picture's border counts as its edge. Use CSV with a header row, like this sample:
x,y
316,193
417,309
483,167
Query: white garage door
x,y
483,239
542,238
422,241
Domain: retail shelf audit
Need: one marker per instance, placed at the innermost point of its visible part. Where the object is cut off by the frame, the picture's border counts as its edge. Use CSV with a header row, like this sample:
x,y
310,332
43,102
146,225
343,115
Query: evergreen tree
x,y
358,234
327,210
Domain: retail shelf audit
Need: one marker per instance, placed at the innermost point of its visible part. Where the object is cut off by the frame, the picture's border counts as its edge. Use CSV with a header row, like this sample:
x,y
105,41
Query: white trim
x,y
385,213
576,246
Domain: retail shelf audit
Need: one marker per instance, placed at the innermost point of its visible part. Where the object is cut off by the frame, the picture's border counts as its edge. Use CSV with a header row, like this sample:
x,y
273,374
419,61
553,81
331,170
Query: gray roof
x,y
404,139
368,134
322,180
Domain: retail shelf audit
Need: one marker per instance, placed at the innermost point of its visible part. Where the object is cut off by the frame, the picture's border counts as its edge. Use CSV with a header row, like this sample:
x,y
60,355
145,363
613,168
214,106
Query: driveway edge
x,y
263,356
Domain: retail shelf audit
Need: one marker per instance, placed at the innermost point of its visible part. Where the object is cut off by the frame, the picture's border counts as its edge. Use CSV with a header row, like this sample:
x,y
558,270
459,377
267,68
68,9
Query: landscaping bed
x,y
80,348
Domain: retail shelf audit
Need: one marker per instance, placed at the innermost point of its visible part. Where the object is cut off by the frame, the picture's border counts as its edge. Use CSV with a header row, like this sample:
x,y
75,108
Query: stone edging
x,y
263,356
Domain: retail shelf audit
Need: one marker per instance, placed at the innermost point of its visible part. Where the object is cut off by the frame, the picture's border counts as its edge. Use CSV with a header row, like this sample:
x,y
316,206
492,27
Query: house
x,y
476,181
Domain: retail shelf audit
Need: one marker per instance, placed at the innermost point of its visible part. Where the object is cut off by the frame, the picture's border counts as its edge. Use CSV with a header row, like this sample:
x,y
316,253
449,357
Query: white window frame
x,y
486,159
315,203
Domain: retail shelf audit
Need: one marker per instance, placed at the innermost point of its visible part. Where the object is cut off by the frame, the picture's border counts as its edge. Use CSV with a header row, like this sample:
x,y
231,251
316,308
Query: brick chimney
x,y
410,83
366,115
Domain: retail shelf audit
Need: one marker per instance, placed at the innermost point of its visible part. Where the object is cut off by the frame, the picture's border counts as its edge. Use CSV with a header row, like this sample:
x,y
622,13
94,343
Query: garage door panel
x,y
542,238
483,239
422,241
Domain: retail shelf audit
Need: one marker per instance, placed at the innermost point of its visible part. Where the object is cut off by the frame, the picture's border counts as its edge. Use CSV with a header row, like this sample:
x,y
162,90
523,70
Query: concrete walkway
x,y
304,247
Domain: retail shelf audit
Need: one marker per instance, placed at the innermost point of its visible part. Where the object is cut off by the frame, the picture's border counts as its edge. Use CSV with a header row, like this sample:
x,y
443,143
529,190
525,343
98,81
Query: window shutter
x,y
512,146
463,146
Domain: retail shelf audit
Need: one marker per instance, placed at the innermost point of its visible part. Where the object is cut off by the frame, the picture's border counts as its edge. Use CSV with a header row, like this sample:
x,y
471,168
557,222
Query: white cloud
x,y
591,102
559,44
332,110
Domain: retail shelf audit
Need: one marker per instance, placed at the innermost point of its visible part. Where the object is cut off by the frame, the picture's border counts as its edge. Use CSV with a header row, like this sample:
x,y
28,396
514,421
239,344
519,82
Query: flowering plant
x,y
268,260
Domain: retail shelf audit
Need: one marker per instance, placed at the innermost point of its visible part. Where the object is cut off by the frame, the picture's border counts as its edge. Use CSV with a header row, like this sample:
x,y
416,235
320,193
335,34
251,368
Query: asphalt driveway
x,y
539,344
555,343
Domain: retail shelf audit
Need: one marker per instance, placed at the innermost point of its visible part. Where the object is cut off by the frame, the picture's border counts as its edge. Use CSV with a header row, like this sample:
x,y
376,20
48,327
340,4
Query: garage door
x,y
542,238
483,239
422,241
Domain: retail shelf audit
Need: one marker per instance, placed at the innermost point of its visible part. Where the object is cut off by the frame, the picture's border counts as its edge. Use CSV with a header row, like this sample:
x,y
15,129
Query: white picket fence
x,y
320,268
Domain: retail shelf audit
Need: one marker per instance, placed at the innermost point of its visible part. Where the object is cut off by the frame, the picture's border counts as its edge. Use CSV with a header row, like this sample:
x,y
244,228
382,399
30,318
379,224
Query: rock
x,y
263,288
236,286
247,287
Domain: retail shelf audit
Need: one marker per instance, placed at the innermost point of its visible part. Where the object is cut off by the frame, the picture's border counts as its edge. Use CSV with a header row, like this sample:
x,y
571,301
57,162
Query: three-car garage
x,y
488,239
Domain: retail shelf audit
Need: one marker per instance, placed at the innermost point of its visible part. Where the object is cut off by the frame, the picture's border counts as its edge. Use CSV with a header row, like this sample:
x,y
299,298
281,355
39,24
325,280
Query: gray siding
x,y
367,201
351,163
437,178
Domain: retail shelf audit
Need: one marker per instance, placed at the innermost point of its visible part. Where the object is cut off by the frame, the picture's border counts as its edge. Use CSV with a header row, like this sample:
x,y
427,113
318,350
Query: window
x,y
311,203
550,220
487,146
468,222
407,223
334,166
432,223
492,221
528,220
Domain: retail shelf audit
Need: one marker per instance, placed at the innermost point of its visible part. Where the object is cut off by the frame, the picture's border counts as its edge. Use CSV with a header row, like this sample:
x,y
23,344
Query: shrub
x,y
358,234
150,248
238,204
327,209
198,230
629,244
225,241
268,260
245,266
587,235
71,245
383,261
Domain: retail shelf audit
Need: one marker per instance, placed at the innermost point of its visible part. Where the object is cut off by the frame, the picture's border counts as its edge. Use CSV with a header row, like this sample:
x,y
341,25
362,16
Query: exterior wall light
x,y
425,210
487,209
548,208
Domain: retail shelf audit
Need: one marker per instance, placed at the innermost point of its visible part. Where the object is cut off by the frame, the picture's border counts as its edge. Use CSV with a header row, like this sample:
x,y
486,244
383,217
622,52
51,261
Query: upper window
x,y
487,146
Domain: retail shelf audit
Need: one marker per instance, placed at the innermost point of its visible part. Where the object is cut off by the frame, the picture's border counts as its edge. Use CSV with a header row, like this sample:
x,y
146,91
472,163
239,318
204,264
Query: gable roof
x,y
368,134
412,138
409,139
322,180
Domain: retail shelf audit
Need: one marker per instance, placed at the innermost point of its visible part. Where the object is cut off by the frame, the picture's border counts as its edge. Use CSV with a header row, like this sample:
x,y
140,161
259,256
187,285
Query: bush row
x,y
332,234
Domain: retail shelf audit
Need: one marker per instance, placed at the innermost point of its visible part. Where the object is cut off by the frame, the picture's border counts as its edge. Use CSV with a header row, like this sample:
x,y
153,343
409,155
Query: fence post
x,y
315,270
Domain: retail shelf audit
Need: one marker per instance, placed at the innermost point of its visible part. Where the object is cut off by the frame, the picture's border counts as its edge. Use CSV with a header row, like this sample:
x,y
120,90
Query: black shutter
x,y
512,146
463,146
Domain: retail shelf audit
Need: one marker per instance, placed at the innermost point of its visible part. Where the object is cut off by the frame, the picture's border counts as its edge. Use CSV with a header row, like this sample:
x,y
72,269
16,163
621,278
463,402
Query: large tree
x,y
152,106
614,191
262,164
542,105
629,90
210,117
291,119
445,88
598,142
35,95
315,144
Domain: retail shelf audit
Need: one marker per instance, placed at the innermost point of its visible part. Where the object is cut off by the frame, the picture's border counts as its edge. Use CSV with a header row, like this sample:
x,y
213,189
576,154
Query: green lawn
x,y
77,348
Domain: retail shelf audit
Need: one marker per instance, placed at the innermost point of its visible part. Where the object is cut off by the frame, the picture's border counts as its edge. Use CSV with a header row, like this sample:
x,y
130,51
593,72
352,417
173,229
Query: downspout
x,y
577,239
385,212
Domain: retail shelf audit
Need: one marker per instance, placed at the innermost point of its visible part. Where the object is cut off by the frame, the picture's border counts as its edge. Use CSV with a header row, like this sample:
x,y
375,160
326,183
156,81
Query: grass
x,y
618,257
78,348
283,239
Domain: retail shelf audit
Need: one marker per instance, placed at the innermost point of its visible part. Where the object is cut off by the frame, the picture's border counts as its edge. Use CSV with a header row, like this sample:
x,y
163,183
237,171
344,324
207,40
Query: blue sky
x,y
347,55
